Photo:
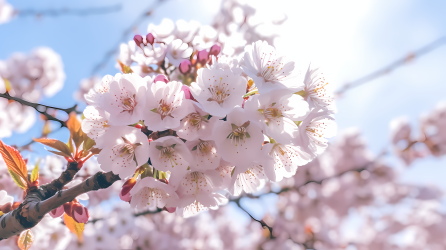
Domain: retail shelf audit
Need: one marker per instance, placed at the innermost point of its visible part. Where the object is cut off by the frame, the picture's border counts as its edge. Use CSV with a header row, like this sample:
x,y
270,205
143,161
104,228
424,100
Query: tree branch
x,y
42,109
67,11
40,201
392,66
262,223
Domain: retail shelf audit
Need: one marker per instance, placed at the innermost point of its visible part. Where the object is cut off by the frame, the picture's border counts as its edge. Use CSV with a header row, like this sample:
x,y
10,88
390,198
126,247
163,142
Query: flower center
x,y
219,92
127,149
271,67
204,147
129,104
164,109
239,133
195,119
168,153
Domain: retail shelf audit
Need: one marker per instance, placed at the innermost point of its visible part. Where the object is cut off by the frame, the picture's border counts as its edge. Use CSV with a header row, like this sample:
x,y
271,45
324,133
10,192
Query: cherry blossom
x,y
316,91
205,155
177,50
238,140
171,154
96,121
125,101
218,91
196,125
268,70
277,112
123,149
151,193
165,106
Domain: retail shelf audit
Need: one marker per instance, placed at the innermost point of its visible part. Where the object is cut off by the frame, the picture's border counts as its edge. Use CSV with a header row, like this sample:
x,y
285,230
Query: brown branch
x,y
40,201
67,11
262,223
392,66
42,109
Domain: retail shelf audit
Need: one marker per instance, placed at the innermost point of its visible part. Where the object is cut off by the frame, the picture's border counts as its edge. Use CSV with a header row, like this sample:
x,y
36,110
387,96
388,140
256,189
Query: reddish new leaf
x,y
56,144
14,161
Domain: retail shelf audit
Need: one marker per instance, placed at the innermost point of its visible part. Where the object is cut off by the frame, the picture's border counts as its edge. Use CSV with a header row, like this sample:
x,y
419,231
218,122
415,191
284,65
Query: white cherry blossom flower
x,y
268,70
196,125
177,50
165,106
218,91
277,111
186,31
315,91
94,96
146,53
164,31
124,148
248,180
238,140
206,37
169,153
205,155
225,169
313,131
226,62
95,123
125,100
151,193
197,192
287,158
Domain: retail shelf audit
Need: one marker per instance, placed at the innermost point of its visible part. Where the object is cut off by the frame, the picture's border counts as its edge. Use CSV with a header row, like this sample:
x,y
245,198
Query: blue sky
x,y
349,38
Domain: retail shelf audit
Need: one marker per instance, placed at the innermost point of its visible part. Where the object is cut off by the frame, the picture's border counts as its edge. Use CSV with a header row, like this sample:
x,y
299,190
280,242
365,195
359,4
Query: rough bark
x,y
40,201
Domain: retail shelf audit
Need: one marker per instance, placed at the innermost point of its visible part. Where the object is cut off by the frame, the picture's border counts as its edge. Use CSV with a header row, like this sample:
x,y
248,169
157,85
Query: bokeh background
x,y
349,38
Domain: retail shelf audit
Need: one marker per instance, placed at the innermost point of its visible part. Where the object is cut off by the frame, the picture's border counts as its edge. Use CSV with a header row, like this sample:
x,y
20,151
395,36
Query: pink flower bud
x,y
57,212
68,208
161,78
125,191
203,57
150,39
138,40
80,213
170,209
215,50
186,91
185,66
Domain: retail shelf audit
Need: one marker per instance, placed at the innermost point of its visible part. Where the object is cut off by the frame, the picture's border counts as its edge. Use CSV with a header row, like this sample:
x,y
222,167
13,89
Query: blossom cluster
x,y
202,122
31,77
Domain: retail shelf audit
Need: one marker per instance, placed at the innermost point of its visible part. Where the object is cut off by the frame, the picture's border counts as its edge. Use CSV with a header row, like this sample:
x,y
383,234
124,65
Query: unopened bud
x,y
57,212
67,207
161,78
215,50
203,57
150,39
80,213
138,40
170,209
185,67
138,126
125,191
186,91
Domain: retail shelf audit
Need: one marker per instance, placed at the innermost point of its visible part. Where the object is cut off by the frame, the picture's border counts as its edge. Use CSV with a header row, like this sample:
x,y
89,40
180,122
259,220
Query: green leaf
x,y
234,127
205,117
56,144
251,93
155,110
272,104
194,148
35,173
247,135
173,145
147,171
124,68
301,93
17,179
159,147
232,172
297,123
88,144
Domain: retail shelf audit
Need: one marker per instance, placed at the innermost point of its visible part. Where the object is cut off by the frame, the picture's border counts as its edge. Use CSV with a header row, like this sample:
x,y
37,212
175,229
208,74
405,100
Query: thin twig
x,y
262,223
125,34
392,66
42,109
68,11
158,210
